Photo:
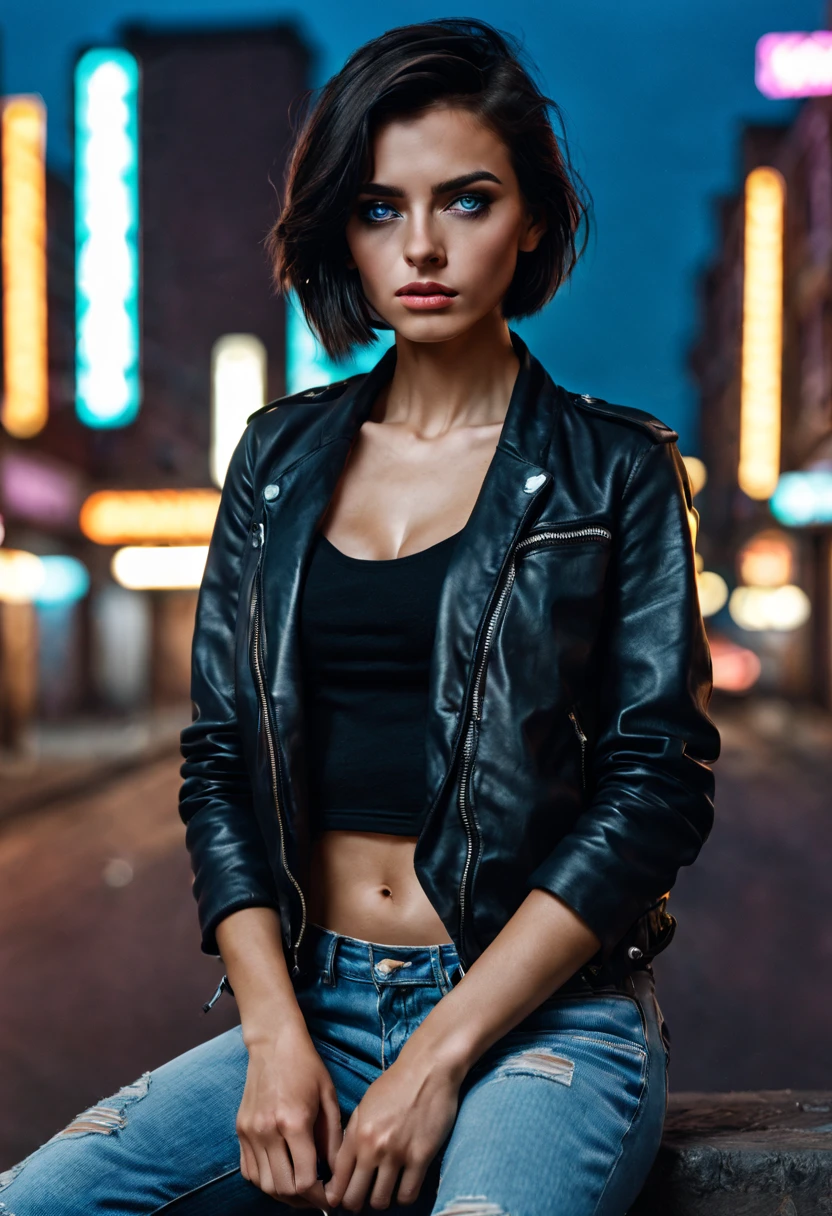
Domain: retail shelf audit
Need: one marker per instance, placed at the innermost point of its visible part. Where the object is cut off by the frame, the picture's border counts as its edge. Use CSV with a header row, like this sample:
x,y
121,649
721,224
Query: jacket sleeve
x,y
228,855
651,805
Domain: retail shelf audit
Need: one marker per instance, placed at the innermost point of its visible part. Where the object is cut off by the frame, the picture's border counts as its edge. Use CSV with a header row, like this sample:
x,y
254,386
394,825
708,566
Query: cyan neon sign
x,y
802,499
108,388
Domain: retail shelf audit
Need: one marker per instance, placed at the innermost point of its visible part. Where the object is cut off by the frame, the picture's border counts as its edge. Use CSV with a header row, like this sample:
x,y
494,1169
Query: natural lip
x,y
426,289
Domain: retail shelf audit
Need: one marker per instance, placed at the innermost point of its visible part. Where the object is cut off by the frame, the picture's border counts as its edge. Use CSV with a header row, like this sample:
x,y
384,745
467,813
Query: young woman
x,y
450,744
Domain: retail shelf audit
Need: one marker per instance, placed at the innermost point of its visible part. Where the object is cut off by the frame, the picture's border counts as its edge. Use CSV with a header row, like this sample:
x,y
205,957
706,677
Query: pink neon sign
x,y
794,65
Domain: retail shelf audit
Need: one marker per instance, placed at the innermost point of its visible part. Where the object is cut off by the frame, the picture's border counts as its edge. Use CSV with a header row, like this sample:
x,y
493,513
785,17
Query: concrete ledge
x,y
743,1154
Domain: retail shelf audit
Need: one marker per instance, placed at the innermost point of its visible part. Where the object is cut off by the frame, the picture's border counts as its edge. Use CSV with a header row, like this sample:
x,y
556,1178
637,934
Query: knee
x,y
64,1176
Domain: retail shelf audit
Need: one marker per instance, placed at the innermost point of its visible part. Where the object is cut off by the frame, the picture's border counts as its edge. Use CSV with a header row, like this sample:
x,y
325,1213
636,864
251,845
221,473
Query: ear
x,y
533,231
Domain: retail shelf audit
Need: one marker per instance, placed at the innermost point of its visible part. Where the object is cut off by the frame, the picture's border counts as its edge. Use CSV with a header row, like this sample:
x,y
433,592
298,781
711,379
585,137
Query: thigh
x,y
563,1117
169,1134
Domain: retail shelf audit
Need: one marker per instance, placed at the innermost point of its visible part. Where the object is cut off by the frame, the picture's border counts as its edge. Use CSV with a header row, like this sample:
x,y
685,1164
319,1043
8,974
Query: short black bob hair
x,y
461,62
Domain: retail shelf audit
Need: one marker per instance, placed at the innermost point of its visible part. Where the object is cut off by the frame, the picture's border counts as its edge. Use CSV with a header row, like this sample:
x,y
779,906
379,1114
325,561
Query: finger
x,y
385,1185
264,1174
342,1171
304,1162
248,1163
316,1197
330,1128
280,1166
355,1196
410,1184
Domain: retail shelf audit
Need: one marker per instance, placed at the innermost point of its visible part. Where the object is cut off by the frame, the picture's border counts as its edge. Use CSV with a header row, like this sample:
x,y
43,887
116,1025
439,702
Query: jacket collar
x,y
526,428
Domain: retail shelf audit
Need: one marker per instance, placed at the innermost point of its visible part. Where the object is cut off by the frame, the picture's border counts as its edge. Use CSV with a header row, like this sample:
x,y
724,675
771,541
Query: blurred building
x,y
214,115
775,560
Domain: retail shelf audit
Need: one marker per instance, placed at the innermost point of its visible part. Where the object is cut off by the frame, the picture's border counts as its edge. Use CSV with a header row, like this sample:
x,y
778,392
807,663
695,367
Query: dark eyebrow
x,y
453,183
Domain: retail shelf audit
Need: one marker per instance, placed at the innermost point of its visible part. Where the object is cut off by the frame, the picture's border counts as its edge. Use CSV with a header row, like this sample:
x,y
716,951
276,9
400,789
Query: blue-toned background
x,y
654,93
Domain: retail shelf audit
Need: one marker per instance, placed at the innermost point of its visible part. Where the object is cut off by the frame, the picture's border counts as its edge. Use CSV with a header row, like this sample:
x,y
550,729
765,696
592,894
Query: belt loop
x,y
440,975
329,962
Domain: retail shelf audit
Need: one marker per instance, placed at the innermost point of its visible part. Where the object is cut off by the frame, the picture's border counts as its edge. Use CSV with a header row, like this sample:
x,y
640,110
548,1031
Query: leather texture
x,y
568,741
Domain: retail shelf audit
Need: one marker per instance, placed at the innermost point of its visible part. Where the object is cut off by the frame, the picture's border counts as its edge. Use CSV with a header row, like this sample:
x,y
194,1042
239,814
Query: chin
x,y
437,328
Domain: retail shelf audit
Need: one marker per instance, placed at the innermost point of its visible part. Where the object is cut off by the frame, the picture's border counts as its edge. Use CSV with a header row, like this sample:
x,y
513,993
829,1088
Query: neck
x,y
464,381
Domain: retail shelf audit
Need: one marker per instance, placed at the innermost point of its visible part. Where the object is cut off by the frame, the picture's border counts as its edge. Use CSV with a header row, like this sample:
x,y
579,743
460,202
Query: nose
x,y
423,245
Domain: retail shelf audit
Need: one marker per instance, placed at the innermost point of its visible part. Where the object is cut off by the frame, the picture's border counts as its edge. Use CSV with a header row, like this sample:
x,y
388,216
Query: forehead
x,y
435,146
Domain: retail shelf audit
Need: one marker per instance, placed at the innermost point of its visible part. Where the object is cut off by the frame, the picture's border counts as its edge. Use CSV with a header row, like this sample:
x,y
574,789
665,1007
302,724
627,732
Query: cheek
x,y
373,256
488,251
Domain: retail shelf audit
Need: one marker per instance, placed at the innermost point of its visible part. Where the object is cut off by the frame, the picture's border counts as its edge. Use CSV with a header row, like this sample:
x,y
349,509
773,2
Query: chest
x,y
399,493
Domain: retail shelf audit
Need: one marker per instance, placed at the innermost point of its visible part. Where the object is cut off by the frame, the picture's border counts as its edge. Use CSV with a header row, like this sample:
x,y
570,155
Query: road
x,y
103,978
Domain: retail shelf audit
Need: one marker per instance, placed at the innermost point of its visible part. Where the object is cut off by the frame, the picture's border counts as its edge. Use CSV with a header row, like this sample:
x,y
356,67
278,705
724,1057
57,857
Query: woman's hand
x,y
288,1117
397,1127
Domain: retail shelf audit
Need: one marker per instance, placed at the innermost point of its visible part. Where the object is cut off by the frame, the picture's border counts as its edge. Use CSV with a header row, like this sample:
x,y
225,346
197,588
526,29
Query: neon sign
x,y
26,402
108,390
794,65
762,332
804,498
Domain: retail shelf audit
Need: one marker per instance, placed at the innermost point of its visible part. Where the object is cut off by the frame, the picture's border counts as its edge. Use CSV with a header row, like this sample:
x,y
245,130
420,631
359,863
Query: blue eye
x,y
376,212
471,204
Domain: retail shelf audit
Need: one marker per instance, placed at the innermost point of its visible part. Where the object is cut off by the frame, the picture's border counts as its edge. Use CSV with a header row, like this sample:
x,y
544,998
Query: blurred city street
x,y
145,147
103,977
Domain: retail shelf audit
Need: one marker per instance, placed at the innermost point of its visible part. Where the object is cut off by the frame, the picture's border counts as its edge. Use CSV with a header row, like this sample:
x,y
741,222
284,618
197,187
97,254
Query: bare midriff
x,y
364,885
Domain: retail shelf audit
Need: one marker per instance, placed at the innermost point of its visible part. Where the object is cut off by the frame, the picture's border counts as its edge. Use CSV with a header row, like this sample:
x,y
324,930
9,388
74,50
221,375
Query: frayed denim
x,y
561,1117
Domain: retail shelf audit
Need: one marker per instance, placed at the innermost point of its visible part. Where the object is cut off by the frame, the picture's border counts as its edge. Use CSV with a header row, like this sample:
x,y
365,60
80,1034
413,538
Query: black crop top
x,y
366,632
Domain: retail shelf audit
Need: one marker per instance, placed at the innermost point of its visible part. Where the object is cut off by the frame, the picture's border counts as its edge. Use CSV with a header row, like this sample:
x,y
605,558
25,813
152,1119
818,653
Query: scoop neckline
x,y
387,561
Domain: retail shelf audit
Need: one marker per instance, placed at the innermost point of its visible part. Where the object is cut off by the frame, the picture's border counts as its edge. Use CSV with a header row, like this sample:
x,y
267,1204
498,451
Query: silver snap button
x,y
634,953
271,492
534,483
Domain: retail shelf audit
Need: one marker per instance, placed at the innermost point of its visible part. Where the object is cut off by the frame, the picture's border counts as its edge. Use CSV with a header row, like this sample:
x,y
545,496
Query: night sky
x,y
654,93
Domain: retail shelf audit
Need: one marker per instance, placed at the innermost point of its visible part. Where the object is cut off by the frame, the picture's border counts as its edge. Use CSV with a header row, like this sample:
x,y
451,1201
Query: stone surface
x,y
743,1154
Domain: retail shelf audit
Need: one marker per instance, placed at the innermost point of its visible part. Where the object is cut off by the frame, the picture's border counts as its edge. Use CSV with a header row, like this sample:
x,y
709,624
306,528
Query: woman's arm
x,y
223,837
407,1113
651,805
289,1112
289,1100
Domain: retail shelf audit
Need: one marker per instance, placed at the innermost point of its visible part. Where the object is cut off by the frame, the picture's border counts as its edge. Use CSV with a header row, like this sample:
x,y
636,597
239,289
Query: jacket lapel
x,y
510,495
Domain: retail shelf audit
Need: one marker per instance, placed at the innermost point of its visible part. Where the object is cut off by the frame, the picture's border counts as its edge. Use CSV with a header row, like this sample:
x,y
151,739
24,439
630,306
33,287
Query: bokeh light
x,y
159,568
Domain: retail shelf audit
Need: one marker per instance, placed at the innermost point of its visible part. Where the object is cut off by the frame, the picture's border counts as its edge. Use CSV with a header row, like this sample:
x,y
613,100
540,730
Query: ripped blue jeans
x,y
561,1117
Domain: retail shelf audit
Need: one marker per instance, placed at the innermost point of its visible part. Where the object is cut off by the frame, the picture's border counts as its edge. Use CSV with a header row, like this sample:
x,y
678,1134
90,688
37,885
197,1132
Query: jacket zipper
x,y
254,619
579,731
540,539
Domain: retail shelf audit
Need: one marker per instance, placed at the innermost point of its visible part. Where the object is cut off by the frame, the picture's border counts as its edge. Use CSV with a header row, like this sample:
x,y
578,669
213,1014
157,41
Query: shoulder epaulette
x,y
658,431
323,393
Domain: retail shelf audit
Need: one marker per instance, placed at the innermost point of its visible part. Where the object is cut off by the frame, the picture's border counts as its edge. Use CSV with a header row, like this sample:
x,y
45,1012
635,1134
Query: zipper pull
x,y
258,535
578,728
222,986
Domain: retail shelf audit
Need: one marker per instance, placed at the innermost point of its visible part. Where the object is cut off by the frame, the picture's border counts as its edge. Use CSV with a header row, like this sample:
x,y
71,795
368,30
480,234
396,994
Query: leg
x,y
169,1136
563,1116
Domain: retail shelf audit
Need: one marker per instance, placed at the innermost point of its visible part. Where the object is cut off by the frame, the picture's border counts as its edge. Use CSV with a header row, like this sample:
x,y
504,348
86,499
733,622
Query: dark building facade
x,y
797,662
215,114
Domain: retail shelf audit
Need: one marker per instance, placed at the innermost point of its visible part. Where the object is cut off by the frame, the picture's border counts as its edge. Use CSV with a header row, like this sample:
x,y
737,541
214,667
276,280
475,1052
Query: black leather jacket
x,y
568,744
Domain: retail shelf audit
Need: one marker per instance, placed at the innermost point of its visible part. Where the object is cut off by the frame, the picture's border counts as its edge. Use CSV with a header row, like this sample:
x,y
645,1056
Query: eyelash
x,y
482,199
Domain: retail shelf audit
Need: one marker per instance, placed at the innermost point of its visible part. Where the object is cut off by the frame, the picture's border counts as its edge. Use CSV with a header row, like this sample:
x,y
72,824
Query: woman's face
x,y
436,233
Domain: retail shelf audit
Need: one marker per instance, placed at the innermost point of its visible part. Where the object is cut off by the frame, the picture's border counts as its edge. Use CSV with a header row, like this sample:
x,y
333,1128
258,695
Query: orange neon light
x,y
26,398
120,517
762,333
